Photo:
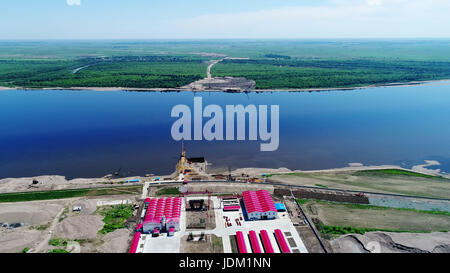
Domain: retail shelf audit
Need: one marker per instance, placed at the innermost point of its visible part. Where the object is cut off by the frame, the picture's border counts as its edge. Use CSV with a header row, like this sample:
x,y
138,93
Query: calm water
x,y
91,134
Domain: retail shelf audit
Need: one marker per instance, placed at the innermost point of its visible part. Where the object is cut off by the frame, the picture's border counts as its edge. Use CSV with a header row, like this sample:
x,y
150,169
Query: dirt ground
x,y
312,244
15,241
213,244
394,184
35,215
255,172
116,242
85,226
340,215
228,187
383,242
30,213
55,182
309,239
195,220
82,226
79,227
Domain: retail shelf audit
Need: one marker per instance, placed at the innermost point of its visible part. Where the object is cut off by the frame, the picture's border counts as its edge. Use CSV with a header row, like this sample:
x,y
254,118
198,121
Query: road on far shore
x,y
208,70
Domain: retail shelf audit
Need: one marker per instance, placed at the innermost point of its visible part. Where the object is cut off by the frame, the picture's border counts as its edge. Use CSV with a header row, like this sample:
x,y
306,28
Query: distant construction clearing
x,y
227,84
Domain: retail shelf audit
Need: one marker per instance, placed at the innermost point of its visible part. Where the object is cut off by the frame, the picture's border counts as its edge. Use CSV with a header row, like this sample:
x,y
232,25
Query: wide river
x,y
91,134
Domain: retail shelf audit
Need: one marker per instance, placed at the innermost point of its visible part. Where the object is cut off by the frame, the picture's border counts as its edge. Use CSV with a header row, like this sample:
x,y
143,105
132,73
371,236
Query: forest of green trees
x,y
272,64
304,74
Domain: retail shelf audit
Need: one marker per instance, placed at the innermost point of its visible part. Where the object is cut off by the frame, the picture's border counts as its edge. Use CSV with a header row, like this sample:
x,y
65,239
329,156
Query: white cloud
x,y
337,19
73,2
374,2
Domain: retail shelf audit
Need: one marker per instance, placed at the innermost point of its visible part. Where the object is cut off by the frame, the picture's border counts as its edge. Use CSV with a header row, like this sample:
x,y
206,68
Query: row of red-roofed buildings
x,y
267,246
159,215
162,214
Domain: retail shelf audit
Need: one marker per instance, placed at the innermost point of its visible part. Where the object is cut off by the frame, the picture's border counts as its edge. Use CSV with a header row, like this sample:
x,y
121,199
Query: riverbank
x,y
352,167
187,89
57,182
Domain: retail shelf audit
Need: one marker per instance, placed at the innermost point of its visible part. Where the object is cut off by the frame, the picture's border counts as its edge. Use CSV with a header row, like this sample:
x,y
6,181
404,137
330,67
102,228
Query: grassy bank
x,y
63,194
335,231
168,191
381,172
393,172
302,201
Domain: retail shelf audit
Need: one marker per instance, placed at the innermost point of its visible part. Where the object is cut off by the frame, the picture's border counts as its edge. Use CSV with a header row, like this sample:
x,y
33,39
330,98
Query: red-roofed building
x,y
162,214
259,205
135,243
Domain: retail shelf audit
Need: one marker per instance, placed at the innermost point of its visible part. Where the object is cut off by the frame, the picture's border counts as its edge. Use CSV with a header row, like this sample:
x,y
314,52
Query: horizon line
x,y
208,39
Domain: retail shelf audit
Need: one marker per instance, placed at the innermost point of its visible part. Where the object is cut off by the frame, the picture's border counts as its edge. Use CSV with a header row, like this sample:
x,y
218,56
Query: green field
x,y
336,219
392,172
280,64
342,230
58,242
168,191
115,217
58,251
62,194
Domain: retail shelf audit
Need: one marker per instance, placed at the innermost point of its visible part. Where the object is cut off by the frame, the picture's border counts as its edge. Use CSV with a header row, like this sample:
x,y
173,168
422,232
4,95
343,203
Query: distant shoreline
x,y
136,89
254,171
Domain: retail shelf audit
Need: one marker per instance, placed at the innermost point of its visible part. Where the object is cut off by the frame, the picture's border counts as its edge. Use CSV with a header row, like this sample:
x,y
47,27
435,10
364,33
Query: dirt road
x,y
52,227
213,63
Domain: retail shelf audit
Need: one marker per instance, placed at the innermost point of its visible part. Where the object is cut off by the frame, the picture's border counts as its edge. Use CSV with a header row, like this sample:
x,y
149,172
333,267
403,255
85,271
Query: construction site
x,y
200,210
213,220
249,222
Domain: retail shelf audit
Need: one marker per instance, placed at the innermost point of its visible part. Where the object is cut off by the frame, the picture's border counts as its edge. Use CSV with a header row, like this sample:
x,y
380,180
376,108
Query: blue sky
x,y
155,19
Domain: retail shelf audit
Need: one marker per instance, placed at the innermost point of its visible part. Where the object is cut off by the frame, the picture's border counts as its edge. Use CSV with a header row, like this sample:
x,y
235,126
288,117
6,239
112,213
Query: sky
x,y
223,19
